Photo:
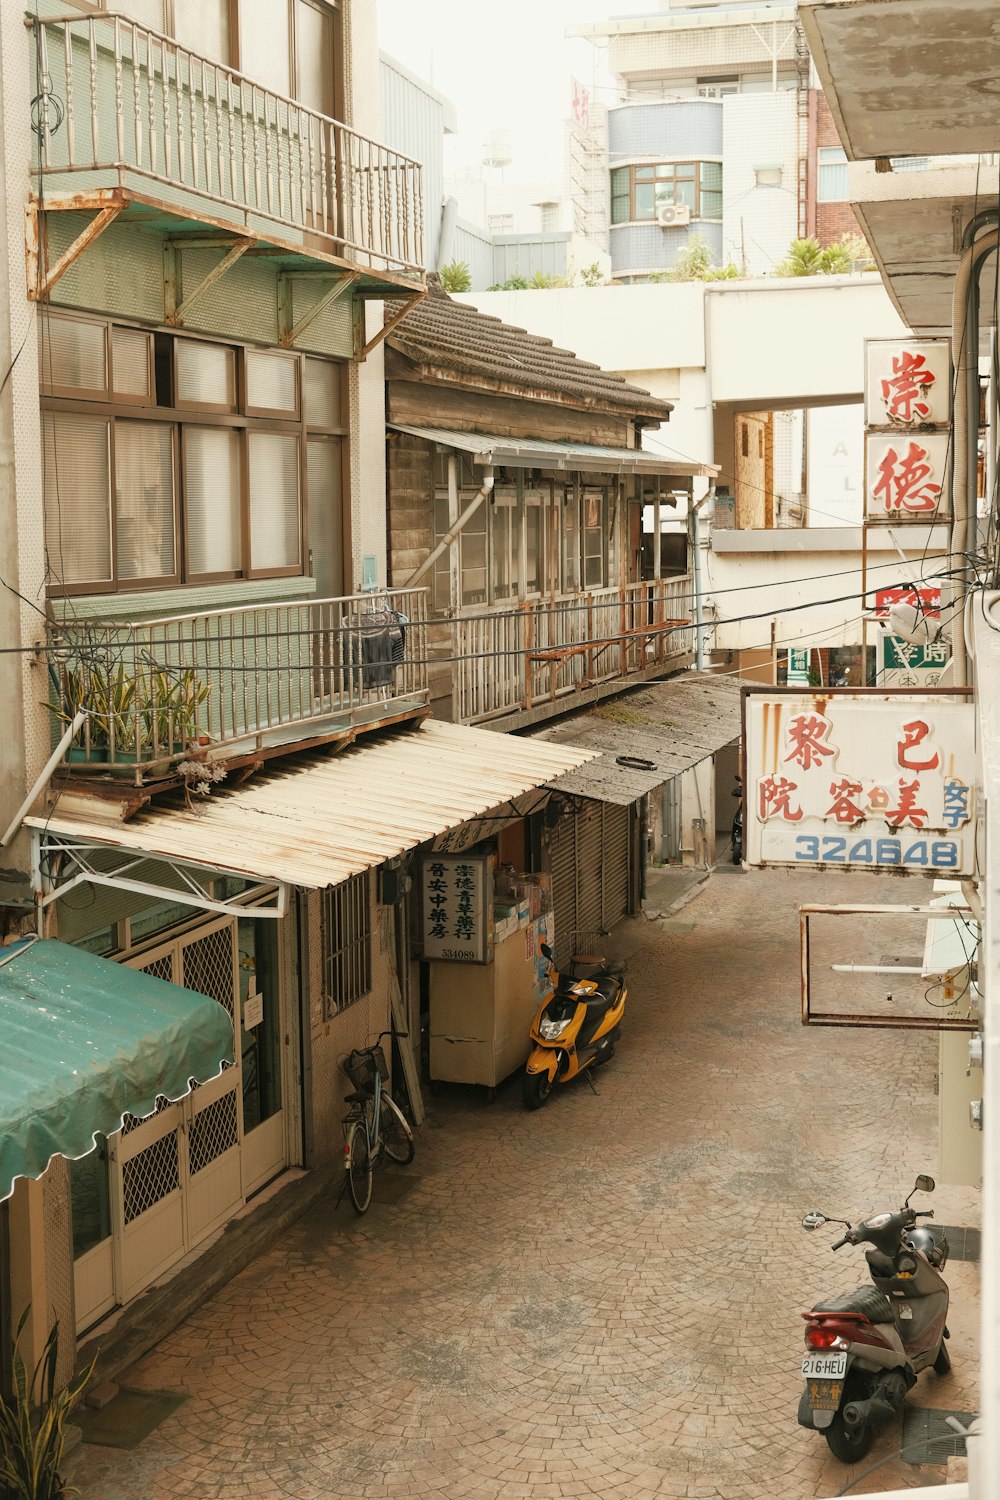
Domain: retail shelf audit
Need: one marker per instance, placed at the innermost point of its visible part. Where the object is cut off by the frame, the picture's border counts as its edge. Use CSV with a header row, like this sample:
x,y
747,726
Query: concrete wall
x,y
690,130
759,223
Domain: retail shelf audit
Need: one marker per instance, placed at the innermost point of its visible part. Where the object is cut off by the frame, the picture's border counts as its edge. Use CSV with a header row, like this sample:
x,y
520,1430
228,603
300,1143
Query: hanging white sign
x,y
906,476
908,383
841,779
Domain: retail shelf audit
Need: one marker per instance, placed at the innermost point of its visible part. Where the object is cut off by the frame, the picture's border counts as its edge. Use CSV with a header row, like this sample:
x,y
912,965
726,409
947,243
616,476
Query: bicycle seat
x,y
360,1096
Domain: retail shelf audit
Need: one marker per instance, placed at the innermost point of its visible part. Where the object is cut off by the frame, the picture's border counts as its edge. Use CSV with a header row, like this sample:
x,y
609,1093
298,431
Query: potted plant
x,y
131,719
32,1424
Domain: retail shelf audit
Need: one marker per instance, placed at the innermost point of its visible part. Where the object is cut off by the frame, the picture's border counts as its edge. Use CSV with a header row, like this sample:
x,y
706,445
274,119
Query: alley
x,y
601,1299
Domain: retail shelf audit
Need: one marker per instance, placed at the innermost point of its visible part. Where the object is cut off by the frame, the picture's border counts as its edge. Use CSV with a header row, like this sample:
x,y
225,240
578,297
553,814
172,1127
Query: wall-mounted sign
x,y
907,476
458,907
900,663
907,383
841,779
928,596
797,674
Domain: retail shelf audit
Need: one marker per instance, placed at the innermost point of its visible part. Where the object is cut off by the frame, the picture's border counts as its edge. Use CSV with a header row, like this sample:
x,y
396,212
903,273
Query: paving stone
x,y
598,1300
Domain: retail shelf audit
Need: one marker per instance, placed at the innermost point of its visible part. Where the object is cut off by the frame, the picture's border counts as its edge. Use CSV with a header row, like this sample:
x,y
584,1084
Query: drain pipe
x,y
452,532
694,520
965,344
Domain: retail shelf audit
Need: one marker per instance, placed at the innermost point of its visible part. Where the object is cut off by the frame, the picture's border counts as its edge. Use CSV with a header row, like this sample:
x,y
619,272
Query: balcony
x,y
240,683
533,657
126,113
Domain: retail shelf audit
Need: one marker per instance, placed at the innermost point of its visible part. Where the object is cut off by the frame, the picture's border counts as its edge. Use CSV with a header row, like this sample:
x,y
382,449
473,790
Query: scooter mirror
x,y
546,950
924,1184
814,1220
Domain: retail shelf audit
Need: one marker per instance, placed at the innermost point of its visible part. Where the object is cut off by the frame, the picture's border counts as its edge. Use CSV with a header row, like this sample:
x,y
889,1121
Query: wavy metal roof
x,y
313,824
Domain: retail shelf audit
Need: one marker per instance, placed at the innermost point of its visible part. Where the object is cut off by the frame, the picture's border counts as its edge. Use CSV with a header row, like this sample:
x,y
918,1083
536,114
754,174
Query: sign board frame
x,y
933,406
869,1021
925,455
911,769
460,888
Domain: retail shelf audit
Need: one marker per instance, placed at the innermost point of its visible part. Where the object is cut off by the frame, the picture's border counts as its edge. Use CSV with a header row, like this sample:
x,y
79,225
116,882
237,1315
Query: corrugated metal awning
x,y
658,731
316,823
86,1041
532,453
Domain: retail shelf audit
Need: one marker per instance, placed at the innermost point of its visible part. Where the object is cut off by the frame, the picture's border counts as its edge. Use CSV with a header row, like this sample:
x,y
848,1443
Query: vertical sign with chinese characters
x,y
846,780
457,907
907,426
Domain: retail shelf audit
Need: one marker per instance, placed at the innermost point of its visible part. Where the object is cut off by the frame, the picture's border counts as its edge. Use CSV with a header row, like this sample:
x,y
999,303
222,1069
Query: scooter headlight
x,y
551,1030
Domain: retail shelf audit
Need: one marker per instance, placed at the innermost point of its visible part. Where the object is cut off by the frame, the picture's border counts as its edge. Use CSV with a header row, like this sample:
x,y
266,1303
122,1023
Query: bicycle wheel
x,y
359,1167
397,1137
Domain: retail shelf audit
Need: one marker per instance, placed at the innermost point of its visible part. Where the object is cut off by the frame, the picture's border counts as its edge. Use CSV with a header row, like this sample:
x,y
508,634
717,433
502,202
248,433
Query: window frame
x,y
663,173
839,161
111,408
351,953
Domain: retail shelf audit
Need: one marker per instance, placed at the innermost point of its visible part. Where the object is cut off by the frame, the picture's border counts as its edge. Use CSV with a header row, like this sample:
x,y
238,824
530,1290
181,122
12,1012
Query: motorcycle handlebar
x,y
844,1240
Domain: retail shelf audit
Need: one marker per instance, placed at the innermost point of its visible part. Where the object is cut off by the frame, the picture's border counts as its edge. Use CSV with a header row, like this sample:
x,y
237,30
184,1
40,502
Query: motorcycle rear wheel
x,y
535,1089
849,1443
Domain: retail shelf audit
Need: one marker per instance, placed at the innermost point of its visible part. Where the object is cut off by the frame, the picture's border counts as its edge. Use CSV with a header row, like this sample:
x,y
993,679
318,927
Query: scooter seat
x,y
865,1299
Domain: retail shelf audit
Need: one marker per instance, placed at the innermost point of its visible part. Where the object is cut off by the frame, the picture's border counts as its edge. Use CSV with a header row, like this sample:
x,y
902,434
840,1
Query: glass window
x,y
206,374
212,496
203,26
326,514
321,392
441,577
144,499
571,541
473,554
273,465
314,57
149,13
832,175
76,467
264,44
74,354
506,544
130,362
637,192
593,539
534,538
261,1059
620,211
272,383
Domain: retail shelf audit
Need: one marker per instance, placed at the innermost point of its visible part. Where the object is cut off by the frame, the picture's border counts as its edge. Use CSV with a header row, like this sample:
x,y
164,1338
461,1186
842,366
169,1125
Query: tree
x,y
456,277
592,275
803,258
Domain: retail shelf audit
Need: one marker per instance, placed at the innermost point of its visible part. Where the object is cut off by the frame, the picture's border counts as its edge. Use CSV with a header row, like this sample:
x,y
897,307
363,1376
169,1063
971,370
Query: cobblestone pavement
x,y
601,1299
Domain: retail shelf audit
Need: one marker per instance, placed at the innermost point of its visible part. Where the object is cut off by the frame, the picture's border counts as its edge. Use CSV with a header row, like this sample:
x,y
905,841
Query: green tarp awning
x,y
83,1041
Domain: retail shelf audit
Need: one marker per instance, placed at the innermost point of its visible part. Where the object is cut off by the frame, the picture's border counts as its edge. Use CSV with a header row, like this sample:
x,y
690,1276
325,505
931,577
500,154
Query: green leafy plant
x,y
156,710
456,276
695,263
592,275
809,258
32,1423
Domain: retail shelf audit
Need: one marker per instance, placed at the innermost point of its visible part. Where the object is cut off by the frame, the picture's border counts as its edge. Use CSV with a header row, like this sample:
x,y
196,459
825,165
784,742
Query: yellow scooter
x,y
577,1024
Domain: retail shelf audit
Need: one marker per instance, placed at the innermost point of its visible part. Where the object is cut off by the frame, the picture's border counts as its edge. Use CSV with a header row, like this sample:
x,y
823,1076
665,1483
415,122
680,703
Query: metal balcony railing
x,y
162,691
542,651
115,99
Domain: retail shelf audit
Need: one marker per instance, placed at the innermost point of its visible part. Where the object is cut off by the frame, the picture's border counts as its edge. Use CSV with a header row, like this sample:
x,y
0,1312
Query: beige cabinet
x,y
481,1014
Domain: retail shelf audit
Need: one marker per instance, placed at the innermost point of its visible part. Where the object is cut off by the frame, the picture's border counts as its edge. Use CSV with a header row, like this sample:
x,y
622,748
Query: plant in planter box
x,y
32,1424
130,717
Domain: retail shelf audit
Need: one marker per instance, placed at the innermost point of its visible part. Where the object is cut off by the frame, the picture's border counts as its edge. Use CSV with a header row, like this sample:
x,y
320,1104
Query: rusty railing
x,y
515,659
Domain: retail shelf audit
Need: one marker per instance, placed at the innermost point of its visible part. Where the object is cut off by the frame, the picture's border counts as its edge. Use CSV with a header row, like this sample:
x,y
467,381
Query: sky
x,y
503,66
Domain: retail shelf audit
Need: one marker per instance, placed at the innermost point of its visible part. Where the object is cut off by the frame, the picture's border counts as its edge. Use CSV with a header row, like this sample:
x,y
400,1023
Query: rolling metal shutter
x,y
562,866
589,875
615,866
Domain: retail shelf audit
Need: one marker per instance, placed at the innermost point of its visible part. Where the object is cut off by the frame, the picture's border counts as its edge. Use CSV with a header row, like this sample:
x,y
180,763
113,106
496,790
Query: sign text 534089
x,y
851,780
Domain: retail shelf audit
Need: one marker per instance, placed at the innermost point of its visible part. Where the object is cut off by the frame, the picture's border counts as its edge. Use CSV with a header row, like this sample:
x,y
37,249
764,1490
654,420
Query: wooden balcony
x,y
543,652
118,107
229,683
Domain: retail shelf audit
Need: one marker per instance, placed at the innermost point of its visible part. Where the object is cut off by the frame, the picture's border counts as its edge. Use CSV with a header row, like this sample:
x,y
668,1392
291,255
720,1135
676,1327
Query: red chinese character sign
x,y
907,383
907,477
859,781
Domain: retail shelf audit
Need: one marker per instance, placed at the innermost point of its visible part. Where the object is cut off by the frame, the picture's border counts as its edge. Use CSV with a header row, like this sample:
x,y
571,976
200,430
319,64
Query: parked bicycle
x,y
375,1126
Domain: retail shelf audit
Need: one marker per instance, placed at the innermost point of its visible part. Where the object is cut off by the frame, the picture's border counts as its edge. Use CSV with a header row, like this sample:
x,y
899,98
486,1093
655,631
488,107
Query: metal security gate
x,y
593,861
178,1170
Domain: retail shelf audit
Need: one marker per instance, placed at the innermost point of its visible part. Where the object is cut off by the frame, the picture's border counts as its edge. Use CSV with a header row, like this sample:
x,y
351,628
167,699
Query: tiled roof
x,y
458,338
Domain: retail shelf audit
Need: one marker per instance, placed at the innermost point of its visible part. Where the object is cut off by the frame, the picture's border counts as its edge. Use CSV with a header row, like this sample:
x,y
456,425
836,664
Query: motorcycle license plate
x,y
824,1375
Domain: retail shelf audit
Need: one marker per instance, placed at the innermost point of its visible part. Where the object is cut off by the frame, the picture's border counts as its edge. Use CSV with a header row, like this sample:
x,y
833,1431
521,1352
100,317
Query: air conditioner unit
x,y
670,214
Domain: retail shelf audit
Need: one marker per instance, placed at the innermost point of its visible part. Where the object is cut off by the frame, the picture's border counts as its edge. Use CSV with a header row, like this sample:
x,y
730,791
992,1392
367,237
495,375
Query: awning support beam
x,y
194,890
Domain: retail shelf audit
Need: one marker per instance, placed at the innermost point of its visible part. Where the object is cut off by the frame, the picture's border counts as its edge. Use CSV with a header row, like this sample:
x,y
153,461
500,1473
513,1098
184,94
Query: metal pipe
x,y
452,531
965,346
79,719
